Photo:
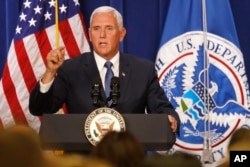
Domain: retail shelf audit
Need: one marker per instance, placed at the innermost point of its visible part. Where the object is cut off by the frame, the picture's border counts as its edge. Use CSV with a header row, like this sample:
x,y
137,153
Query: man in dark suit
x,y
71,81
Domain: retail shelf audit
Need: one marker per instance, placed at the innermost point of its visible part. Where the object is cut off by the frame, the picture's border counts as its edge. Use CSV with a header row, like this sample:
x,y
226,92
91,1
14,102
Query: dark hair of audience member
x,y
74,160
20,147
122,149
178,159
239,142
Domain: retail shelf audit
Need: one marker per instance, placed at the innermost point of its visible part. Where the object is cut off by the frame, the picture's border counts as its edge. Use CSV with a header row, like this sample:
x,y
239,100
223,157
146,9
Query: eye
x,y
96,28
109,28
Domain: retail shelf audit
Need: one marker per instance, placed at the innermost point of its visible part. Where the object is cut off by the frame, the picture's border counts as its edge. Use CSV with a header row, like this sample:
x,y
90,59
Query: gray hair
x,y
106,9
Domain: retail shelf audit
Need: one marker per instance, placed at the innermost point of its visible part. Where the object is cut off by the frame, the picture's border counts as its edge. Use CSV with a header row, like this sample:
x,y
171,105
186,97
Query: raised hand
x,y
54,60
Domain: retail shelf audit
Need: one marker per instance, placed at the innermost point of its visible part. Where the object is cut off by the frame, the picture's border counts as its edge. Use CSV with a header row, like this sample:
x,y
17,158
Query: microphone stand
x,y
95,94
115,92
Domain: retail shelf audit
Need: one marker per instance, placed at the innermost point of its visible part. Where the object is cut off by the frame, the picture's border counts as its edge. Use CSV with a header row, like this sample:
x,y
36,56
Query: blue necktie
x,y
109,75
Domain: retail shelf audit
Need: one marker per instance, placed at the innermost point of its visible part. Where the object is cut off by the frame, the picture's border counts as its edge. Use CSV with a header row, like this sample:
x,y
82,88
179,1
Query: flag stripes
x,y
26,60
67,37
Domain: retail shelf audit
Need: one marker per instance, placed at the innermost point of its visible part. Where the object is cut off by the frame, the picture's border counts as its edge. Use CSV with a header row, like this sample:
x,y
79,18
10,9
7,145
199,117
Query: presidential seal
x,y
101,121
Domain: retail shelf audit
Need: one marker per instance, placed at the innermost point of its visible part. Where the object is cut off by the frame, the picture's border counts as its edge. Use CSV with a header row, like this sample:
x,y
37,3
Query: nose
x,y
102,33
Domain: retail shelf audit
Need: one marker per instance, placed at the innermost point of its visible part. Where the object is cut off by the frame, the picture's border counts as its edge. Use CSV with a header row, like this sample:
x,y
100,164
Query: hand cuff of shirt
x,y
45,87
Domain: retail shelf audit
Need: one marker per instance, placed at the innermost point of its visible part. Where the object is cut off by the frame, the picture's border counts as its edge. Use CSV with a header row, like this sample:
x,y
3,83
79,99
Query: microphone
x,y
96,91
115,90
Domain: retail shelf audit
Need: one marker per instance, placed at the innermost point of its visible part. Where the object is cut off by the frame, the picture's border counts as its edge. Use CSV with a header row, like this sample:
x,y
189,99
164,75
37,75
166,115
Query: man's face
x,y
105,34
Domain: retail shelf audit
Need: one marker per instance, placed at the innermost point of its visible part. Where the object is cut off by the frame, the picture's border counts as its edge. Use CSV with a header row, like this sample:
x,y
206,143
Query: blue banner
x,y
201,69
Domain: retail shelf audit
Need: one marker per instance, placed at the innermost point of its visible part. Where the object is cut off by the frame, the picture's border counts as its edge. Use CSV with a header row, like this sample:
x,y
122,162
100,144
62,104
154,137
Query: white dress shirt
x,y
102,70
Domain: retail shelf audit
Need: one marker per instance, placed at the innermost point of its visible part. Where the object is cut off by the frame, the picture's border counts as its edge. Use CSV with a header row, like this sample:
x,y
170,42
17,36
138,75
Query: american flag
x,y
34,38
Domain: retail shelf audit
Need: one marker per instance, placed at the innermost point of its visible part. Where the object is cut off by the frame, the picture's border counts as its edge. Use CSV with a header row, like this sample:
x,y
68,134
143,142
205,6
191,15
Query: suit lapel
x,y
124,73
90,70
90,67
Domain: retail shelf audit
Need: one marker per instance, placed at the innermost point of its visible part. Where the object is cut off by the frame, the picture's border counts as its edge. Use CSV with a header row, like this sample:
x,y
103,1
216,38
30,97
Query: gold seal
x,y
100,121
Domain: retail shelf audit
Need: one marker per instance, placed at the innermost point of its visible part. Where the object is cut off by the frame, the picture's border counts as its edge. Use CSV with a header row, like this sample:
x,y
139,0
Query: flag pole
x,y
57,152
207,148
56,24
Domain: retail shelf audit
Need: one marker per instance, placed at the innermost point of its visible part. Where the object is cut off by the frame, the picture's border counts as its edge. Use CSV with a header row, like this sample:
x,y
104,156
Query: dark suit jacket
x,y
139,88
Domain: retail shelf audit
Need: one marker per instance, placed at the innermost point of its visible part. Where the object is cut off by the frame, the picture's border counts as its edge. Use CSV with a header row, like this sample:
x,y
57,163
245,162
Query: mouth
x,y
102,43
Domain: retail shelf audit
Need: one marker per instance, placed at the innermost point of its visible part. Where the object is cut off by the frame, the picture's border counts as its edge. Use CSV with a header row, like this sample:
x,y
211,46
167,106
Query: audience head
x,y
178,159
75,160
239,142
27,131
122,149
20,146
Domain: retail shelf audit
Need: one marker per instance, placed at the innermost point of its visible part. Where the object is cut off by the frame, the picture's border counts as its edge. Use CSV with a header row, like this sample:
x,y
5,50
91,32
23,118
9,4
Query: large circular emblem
x,y
100,121
207,91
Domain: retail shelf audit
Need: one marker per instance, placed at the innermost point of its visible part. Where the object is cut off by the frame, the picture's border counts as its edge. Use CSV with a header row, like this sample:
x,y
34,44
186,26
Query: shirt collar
x,y
101,61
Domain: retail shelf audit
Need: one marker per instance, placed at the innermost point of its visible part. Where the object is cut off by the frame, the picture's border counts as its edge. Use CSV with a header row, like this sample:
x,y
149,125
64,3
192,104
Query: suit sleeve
x,y
41,103
38,102
157,100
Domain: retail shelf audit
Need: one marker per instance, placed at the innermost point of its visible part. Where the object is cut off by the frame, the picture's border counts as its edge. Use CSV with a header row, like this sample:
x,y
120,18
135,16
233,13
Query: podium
x,y
66,131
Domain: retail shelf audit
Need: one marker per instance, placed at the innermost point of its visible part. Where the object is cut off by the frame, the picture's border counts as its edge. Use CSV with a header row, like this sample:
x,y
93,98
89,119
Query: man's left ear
x,y
123,33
